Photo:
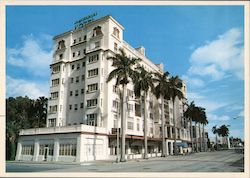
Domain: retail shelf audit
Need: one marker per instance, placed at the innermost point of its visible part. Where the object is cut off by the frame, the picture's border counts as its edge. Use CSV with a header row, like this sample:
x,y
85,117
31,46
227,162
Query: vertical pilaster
x,y
36,150
18,152
56,149
80,149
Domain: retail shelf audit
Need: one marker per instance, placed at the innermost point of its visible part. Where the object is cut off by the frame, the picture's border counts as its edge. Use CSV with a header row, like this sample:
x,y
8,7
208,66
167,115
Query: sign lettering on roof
x,y
84,21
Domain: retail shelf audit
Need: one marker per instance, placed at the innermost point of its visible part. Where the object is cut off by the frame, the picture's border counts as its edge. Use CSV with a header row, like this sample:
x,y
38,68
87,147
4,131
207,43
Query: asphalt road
x,y
218,161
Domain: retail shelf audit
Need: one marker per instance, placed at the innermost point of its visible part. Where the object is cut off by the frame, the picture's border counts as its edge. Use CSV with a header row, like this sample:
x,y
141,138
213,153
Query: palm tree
x,y
202,117
123,72
142,84
189,113
215,131
161,91
196,119
174,89
204,122
223,131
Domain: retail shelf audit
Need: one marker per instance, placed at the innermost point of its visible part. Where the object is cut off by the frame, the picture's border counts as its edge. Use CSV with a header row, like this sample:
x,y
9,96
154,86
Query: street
x,y
217,161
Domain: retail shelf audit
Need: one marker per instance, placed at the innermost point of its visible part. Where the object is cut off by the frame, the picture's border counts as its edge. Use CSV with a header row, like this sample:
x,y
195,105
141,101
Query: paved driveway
x,y
218,161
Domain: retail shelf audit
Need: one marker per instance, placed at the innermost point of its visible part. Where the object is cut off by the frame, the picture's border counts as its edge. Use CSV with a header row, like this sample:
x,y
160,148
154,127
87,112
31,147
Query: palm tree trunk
x,y
145,127
175,145
123,122
203,137
163,127
191,135
200,137
196,137
216,140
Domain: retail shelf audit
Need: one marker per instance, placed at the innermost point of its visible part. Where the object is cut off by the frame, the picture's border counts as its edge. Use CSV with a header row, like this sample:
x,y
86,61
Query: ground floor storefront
x,y
88,146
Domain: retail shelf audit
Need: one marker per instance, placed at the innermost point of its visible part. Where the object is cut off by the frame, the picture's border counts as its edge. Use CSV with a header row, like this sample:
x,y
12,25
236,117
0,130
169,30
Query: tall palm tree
x,y
142,84
189,113
196,119
204,122
202,117
123,72
174,89
223,131
161,91
215,131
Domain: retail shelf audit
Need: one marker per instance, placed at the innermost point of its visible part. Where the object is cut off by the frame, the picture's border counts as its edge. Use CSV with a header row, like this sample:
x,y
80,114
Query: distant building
x,y
83,109
200,138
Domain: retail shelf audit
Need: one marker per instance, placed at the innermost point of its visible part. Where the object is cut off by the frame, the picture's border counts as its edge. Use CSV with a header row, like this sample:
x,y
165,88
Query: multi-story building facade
x,y
84,110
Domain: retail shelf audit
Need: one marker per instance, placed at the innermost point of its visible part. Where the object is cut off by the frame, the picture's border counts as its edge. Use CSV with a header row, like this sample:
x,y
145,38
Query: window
x,y
116,105
115,46
70,107
55,82
130,108
91,103
61,44
80,39
27,149
52,122
83,64
70,93
81,105
138,110
97,31
97,44
73,67
72,80
53,109
138,125
84,51
78,66
74,54
92,87
115,89
79,53
74,42
67,149
54,95
116,32
82,91
76,93
151,105
55,69
93,58
85,37
77,79
115,121
130,93
75,107
92,119
93,72
151,116
60,56
130,125
83,77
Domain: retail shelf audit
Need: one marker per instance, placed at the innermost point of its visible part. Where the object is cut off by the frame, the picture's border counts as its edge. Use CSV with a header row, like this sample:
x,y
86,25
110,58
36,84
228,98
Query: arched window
x,y
116,32
97,31
61,44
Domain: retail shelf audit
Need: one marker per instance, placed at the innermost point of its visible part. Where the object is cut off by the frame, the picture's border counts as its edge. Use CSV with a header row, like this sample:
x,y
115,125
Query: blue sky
x,y
202,44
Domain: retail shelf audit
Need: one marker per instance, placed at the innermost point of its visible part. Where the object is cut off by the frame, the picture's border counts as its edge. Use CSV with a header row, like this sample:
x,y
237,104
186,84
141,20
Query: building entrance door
x,y
46,152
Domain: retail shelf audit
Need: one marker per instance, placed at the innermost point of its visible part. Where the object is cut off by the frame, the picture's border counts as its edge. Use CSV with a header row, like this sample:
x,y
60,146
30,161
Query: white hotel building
x,y
83,109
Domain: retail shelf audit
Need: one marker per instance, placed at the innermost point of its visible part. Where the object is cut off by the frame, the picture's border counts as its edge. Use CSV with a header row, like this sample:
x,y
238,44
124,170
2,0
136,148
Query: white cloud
x,y
203,101
219,57
34,55
193,82
20,87
216,118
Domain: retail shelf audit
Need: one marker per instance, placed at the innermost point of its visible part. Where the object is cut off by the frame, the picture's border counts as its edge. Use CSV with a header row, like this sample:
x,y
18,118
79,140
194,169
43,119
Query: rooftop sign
x,y
84,21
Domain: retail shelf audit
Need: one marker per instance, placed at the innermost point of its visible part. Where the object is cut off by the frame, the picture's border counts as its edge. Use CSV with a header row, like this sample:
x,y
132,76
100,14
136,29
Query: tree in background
x,y
22,113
